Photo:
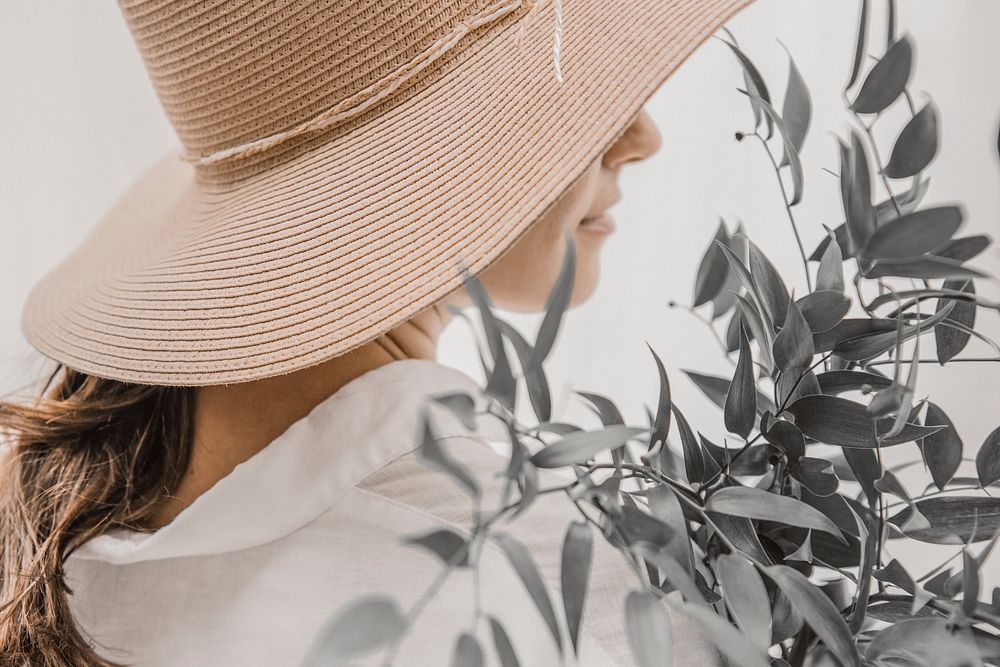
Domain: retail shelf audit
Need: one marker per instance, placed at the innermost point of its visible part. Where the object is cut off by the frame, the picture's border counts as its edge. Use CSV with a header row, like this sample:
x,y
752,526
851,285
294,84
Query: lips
x,y
603,223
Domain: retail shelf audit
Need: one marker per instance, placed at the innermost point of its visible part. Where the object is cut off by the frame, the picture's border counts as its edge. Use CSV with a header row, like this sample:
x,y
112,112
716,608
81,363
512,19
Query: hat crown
x,y
229,72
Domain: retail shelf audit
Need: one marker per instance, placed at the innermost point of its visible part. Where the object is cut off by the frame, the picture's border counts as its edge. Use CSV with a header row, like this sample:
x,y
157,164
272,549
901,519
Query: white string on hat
x,y
368,97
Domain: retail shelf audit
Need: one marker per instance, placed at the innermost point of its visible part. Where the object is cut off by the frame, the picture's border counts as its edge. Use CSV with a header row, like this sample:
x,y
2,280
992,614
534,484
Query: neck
x,y
234,422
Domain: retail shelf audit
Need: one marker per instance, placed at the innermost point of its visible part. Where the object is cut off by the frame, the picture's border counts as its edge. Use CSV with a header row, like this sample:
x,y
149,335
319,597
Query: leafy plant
x,y
822,383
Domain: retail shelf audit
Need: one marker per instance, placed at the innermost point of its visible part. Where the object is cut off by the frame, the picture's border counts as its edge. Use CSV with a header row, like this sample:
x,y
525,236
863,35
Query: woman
x,y
245,340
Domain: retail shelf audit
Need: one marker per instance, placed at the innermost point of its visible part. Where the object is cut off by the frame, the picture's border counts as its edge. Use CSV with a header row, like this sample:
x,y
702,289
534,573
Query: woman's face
x,y
521,279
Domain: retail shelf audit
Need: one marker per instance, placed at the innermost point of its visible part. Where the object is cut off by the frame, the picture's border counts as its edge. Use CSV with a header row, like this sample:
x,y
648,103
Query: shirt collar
x,y
364,425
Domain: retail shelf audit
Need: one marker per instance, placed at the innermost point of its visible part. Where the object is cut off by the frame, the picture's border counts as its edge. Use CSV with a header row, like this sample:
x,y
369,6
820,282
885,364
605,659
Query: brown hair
x,y
90,455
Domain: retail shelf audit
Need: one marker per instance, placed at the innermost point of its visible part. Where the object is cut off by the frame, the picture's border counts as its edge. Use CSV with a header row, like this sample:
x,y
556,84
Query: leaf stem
x,y
977,360
878,163
788,208
942,606
780,411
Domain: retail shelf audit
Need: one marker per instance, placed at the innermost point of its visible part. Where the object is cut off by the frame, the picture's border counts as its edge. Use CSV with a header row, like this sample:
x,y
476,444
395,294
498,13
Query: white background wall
x,y
80,121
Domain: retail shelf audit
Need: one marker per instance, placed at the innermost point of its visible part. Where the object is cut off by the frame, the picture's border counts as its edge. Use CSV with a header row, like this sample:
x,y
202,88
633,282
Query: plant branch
x,y
788,208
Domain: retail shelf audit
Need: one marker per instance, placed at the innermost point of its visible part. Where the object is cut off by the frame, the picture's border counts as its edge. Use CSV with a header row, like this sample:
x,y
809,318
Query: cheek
x,y
588,265
522,279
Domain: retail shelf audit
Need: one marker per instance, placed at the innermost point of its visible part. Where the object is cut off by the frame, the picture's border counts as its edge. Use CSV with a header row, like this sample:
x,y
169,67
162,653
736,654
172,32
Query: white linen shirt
x,y
248,573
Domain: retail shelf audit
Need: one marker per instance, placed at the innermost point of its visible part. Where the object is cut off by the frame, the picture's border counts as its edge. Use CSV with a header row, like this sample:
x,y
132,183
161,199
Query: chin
x,y
585,284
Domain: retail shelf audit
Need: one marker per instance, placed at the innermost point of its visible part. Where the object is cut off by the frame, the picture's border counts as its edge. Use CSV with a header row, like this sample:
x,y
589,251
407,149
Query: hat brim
x,y
184,284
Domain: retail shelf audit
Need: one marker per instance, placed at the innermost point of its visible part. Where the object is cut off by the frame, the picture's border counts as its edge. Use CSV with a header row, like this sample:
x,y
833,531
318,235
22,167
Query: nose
x,y
639,141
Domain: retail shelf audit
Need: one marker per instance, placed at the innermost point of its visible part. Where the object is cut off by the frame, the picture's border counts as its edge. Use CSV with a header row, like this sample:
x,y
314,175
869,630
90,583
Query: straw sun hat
x,y
340,159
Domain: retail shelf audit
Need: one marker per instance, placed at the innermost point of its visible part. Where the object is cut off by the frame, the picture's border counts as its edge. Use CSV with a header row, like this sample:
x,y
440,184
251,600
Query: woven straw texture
x,y
340,159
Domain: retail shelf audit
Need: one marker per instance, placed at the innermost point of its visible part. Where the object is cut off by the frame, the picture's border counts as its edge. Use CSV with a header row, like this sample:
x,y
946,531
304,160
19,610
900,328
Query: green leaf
x,y
840,234
851,328
950,341
818,611
954,519
884,212
817,475
648,628
500,380
868,552
732,337
665,506
824,309
482,300
914,234
887,79
661,424
965,248
752,462
726,297
505,649
916,145
716,388
741,401
746,597
694,465
894,612
534,376
359,628
894,573
792,155
793,346
557,303
988,459
724,637
757,504
742,272
866,468
835,382
713,269
712,466
859,49
830,275
526,569
970,583
577,553
867,347
762,331
838,421
467,652
581,446
755,85
770,286
529,487
890,23
433,454
923,294
459,404
787,438
638,525
942,451
501,384
608,412
928,267
674,574
928,640
741,532
797,108
445,544
856,189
